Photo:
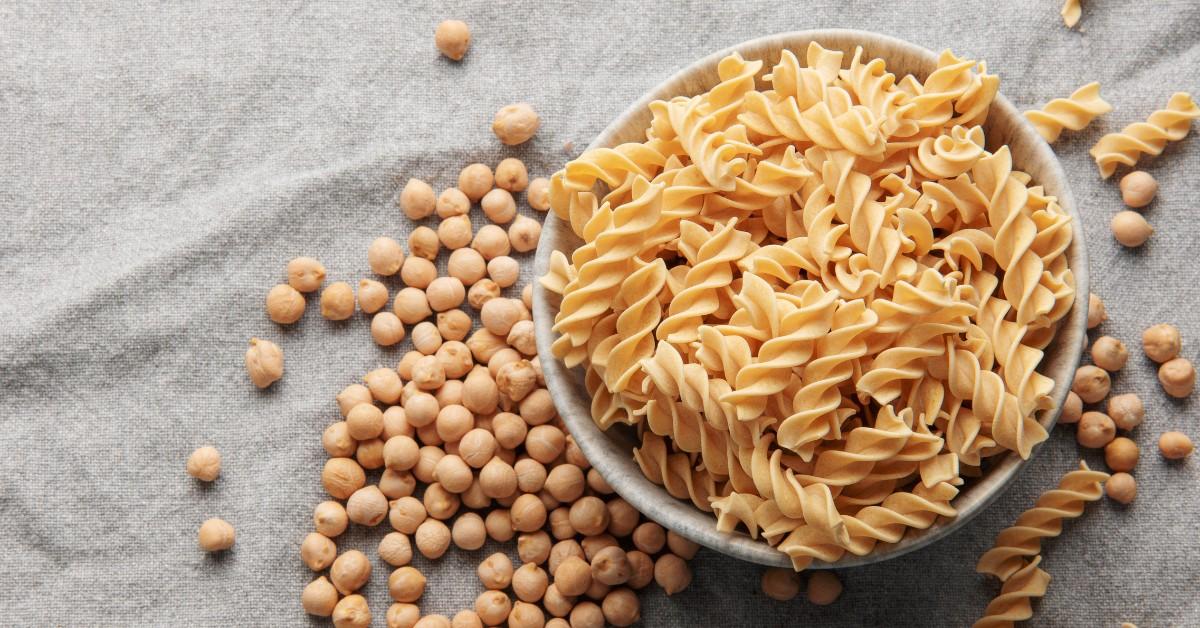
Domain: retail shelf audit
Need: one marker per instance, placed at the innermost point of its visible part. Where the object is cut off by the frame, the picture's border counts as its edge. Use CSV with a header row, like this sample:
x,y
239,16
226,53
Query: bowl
x,y
611,452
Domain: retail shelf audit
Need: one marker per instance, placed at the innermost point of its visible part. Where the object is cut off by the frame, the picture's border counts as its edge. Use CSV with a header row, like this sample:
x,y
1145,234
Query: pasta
x,y
1074,112
821,304
1150,137
1013,603
1071,11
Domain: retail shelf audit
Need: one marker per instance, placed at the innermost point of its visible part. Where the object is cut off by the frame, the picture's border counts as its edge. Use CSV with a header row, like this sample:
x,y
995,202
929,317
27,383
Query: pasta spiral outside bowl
x,y
611,450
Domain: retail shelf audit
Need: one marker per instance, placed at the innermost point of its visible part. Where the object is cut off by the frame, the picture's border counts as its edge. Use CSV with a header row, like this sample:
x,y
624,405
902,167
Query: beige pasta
x,y
1150,137
1014,602
1071,12
1074,112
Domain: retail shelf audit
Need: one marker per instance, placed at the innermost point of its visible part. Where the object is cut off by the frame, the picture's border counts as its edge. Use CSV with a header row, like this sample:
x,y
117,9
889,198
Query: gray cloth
x,y
162,161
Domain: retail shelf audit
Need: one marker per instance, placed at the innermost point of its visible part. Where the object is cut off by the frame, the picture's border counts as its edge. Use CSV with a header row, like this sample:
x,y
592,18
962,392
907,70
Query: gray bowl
x,y
611,452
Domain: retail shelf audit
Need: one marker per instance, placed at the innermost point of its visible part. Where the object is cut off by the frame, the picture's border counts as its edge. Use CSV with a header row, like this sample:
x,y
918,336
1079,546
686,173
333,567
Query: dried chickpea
x,y
445,293
319,597
466,619
491,241
264,362
396,484
1096,312
611,567
337,301
204,464
484,344
1109,353
503,270
453,473
1138,188
1121,454
493,607
305,274
544,443
499,526
1095,430
453,324
317,551
406,584
588,515
342,476
482,292
597,483
350,571
516,380
367,506
528,513
622,518
403,615
586,615
372,295
533,548
423,242
824,588
565,482
539,194
559,522
1131,229
369,453
427,462
417,199
681,547
574,455
365,421
386,329
524,615
452,39
215,535
453,422
621,607
498,205
406,514
474,497
1177,377
1121,487
1072,408
510,430
418,272
511,175
480,394
455,232
467,265
384,384
425,338
515,124
1126,410
477,447
385,256
572,576
1091,383
529,582
548,501
1175,445
672,574
594,543
641,569
498,315
330,519
524,233
452,202
649,537
433,539
285,304
395,423
780,584
352,612
475,181
455,358
428,373
495,572
395,549
537,407
1161,342
421,409
527,295
433,621
404,368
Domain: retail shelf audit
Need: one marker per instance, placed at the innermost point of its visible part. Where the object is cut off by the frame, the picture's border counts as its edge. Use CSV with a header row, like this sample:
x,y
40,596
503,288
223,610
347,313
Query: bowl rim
x,y
615,462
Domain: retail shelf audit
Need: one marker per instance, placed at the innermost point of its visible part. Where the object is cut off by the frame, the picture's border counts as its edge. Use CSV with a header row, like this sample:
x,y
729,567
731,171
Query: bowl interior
x,y
611,452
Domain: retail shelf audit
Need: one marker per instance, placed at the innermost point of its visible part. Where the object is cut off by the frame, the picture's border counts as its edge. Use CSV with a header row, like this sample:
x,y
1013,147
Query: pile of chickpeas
x,y
1092,383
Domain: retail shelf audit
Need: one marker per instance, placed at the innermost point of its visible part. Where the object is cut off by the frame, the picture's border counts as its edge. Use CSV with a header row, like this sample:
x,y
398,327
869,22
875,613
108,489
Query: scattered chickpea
x,y
285,304
1121,487
406,584
780,584
385,256
537,407
498,205
455,232
493,607
824,588
522,338
495,572
622,517
527,296
365,421
610,566
452,202
403,615
433,621
524,233
511,175
621,607
516,380
1177,377
588,514
466,619
406,515
423,242
453,422
681,547
475,181
672,574
1161,342
1095,430
418,272
572,576
396,484
1072,409
350,571
529,583
395,549
1109,353
411,305
525,615
1175,445
337,301
515,124
367,506
330,519
1091,383
351,396
317,551
533,547
305,274
337,441
1138,188
428,373
440,503
417,199
452,38
649,537
319,597
597,483
352,612
586,615
445,293
468,532
641,569
565,482
499,525
539,194
498,315
1126,410
215,535
481,292
528,513
491,241
503,270
421,409
264,362
1121,454
433,538
395,423
1131,229
453,324
204,464
384,384
1096,312
342,476
455,358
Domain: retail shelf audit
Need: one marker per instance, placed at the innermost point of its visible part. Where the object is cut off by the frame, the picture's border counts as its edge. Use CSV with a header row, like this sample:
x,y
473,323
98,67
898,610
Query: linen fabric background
x,y
163,160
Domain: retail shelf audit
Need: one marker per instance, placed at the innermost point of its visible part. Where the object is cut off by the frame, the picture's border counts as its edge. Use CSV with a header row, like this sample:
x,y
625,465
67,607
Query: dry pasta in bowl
x,y
818,294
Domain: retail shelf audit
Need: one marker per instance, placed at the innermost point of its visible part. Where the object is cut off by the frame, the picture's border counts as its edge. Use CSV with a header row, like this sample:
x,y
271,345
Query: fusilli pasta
x,y
1074,112
1150,137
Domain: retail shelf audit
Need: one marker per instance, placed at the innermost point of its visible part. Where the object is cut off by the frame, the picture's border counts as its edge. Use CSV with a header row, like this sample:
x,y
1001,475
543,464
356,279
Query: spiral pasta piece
x,y
1070,12
1074,112
636,323
712,270
1146,138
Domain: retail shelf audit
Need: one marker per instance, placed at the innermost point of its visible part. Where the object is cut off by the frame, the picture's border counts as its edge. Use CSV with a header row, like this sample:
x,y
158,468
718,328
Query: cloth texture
x,y
163,161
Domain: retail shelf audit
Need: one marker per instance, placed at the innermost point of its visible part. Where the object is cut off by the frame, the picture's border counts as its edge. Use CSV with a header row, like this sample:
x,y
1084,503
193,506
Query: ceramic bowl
x,y
611,452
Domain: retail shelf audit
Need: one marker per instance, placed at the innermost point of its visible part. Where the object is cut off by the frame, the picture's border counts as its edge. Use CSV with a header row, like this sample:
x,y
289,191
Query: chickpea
x,y
556,602
482,292
499,525
406,584
319,597
598,484
264,362
524,233
369,453
365,421
480,394
350,571
548,501
342,476
395,549
1091,383
406,515
610,566
330,519
1175,445
445,293
572,576
440,503
433,539
453,324
534,547
1109,353
527,296
428,373
1138,188
452,202
1131,229
493,607
511,175
681,547
386,329
455,232
1096,312
403,615
204,464
495,572
317,551
586,615
385,256
452,38
515,124
484,344
563,550
384,384
537,408
351,396
1161,342
1121,454
1126,410
367,506
1177,377
474,497
780,584
417,199
453,422
491,241
524,615
425,338
528,513
455,358
503,270
649,537
215,535
545,443
672,574
621,607
1095,430
352,612
466,619
395,423
622,518
516,380
372,295
418,272
539,194
423,242
475,181
1121,487
337,301
305,274
641,569
285,304
521,337
396,484
433,621
477,447
468,532
529,583
427,462
824,588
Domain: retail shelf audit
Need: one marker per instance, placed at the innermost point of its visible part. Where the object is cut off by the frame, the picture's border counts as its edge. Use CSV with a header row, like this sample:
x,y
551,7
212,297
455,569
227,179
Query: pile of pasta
x,y
822,304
